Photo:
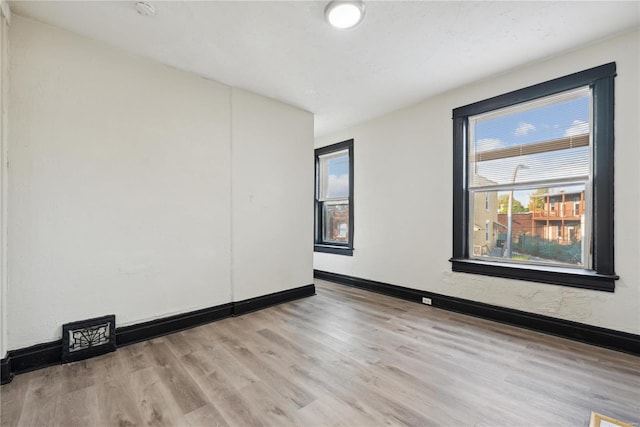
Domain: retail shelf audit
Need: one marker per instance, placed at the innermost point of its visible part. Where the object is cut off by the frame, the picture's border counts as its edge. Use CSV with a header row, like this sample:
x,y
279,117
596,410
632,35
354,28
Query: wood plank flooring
x,y
344,357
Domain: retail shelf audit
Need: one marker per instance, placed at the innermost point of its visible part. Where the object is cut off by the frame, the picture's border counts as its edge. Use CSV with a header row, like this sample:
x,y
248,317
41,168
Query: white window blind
x,y
546,140
333,175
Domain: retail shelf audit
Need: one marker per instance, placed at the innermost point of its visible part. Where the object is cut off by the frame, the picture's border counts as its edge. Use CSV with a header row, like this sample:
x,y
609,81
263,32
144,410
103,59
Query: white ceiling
x,y
401,53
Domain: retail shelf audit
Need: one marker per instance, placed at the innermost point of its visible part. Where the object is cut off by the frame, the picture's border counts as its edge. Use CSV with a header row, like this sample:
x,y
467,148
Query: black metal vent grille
x,y
88,338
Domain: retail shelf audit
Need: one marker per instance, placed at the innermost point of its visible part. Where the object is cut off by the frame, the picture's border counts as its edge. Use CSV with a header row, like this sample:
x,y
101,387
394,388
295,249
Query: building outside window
x,y
535,151
334,199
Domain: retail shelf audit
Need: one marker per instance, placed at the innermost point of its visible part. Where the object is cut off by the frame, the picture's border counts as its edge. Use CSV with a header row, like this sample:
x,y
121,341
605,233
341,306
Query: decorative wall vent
x,y
88,338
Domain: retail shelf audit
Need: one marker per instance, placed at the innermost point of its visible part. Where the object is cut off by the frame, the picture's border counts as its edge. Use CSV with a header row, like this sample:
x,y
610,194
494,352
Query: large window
x,y
334,199
535,166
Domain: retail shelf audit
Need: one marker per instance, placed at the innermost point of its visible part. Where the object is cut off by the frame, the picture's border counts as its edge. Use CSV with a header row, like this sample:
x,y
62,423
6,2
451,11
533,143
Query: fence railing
x,y
570,214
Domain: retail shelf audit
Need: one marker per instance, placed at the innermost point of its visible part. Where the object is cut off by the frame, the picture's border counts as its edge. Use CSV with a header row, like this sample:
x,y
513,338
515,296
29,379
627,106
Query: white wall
x,y
403,197
4,88
272,189
121,186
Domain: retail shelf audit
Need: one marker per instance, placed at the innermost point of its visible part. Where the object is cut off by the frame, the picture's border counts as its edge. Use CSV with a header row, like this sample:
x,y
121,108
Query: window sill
x,y
330,249
577,278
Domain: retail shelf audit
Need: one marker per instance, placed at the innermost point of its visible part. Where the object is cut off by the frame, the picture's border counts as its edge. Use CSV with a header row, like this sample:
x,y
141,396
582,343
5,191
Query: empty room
x,y
320,213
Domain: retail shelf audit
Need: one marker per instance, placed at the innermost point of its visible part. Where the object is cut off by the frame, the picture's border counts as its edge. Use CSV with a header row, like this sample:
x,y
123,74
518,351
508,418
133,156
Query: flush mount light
x,y
145,8
344,14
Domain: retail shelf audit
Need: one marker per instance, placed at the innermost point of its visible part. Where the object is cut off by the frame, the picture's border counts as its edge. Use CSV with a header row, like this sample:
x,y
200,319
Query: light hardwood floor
x,y
343,357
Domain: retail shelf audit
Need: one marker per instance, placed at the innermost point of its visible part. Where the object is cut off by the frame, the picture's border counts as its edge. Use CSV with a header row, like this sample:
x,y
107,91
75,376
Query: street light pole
x,y
515,173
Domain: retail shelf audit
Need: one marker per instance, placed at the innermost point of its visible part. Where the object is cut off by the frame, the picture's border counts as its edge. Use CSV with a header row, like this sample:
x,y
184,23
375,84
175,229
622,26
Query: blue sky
x,y
339,166
549,122
338,175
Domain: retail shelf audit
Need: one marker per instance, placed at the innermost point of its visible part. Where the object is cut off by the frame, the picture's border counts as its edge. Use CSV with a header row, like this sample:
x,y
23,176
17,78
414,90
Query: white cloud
x,y
487,144
524,128
338,186
578,127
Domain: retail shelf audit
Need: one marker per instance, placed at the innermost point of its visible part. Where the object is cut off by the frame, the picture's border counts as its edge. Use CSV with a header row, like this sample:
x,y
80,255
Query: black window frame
x,y
319,244
602,274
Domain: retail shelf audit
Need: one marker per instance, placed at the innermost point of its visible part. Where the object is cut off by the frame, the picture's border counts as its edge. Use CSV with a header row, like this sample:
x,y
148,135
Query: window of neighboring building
x,y
534,150
334,199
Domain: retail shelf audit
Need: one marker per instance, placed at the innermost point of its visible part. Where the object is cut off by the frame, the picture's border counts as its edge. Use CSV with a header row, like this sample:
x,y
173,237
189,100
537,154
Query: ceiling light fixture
x,y
145,8
344,14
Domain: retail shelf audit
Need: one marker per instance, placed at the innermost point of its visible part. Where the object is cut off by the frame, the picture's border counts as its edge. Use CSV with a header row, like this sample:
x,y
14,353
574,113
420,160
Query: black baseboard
x,y
31,358
5,370
156,328
602,337
48,354
258,303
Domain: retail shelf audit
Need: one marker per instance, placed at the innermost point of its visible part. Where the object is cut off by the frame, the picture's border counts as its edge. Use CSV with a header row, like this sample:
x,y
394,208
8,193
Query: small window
x,y
334,199
534,150
342,231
